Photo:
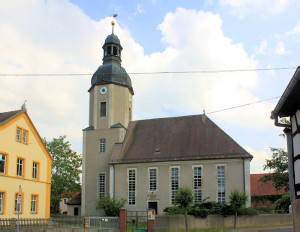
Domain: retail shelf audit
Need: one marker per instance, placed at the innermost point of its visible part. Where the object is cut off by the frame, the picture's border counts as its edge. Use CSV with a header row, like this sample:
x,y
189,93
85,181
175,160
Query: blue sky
x,y
60,36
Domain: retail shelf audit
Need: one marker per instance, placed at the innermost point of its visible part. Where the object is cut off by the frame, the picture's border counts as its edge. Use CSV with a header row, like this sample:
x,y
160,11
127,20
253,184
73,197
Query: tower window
x,y
115,52
109,50
103,109
102,145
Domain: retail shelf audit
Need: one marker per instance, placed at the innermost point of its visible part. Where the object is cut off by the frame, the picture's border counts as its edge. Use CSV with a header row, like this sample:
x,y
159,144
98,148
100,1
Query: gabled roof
x,y
76,200
7,115
180,138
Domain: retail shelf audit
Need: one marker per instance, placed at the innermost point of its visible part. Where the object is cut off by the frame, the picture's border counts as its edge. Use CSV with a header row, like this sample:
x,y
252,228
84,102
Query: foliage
x,y
173,210
279,165
263,209
282,204
65,170
110,206
237,202
184,199
264,198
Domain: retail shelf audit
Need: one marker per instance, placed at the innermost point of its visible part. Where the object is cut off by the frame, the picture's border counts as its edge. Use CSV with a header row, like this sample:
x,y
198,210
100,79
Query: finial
x,y
23,107
113,22
203,111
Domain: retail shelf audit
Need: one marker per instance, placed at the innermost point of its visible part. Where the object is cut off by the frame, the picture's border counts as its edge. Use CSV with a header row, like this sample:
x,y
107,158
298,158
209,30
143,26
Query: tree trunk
x,y
186,223
235,217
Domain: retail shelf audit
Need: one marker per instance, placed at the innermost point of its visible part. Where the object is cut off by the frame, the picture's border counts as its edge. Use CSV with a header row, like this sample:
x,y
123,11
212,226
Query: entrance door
x,y
153,205
76,211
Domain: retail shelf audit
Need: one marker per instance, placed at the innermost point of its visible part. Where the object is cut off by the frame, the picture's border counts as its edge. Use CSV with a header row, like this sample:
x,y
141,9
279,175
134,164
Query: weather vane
x,y
113,22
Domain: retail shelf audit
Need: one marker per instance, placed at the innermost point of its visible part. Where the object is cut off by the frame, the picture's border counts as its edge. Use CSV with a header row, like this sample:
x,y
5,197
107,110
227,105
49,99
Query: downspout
x,y
277,123
244,176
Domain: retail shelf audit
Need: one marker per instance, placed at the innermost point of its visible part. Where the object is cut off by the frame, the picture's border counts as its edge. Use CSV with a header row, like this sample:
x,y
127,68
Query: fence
x,y
104,223
137,220
10,224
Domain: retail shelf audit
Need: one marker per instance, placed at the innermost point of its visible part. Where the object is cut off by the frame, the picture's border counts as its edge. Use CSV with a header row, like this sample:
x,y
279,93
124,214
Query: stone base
x,y
296,215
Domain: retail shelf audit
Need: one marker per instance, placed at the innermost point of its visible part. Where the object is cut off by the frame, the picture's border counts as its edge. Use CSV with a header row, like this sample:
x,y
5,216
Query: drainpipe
x,y
277,123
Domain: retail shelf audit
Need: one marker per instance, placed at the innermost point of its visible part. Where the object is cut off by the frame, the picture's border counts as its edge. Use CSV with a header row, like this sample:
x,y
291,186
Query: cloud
x,y
64,40
246,7
258,161
262,48
295,30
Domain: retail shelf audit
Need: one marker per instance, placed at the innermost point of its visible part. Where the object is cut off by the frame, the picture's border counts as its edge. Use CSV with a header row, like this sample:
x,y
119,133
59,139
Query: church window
x,y
197,184
221,183
103,109
131,186
115,52
152,179
109,50
102,145
101,185
174,183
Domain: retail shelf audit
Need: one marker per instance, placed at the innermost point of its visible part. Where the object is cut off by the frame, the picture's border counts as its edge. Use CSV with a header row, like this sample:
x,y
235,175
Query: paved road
x,y
273,229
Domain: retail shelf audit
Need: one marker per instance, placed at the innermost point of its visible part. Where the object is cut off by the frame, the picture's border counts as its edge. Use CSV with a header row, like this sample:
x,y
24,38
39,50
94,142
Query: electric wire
x,y
149,73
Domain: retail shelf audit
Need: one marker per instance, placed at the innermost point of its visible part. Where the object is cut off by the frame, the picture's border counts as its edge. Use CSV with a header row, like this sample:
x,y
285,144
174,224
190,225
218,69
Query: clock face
x,y
103,90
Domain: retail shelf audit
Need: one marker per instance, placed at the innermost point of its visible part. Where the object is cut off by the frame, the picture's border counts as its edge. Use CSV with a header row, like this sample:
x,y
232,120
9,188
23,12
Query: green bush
x,y
171,210
110,206
282,204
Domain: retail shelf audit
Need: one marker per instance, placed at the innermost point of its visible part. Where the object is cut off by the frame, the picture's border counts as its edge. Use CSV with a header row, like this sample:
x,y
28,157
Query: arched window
x,y
115,51
109,50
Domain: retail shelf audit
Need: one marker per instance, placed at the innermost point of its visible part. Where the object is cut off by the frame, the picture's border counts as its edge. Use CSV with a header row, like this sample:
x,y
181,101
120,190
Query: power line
x,y
149,73
251,103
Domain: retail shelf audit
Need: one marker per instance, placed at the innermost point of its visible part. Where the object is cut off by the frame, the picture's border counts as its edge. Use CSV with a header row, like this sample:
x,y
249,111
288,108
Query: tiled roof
x,y
6,115
259,188
76,200
180,138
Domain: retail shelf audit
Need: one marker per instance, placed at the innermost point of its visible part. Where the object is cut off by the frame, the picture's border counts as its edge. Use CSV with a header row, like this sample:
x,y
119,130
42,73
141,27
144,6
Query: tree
x,y
279,165
110,206
237,201
65,170
282,204
184,199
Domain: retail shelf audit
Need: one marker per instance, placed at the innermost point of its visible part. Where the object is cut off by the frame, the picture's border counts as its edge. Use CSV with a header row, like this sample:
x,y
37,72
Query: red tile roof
x,y
259,188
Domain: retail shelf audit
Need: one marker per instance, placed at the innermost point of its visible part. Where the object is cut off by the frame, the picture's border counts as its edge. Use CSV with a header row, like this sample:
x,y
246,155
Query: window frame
x,y
132,194
196,199
25,136
102,115
37,170
102,145
222,197
149,178
23,167
36,203
2,202
5,164
101,185
19,136
172,191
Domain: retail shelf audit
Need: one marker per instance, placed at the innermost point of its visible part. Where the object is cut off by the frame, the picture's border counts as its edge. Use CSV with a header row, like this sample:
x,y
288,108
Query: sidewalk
x,y
267,229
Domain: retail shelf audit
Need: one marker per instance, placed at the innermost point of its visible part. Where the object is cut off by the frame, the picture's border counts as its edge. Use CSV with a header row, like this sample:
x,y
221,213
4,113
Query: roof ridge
x,y
183,116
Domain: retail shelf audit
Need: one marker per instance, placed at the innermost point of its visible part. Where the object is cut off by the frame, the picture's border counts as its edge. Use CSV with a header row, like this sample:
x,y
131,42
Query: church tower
x,y
110,111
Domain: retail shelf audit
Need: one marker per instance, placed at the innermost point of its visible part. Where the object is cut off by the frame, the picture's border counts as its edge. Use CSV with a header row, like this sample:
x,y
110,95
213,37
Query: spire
x,y
113,22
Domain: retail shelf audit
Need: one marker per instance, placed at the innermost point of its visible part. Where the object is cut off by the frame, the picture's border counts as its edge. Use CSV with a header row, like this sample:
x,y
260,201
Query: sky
x,y
66,37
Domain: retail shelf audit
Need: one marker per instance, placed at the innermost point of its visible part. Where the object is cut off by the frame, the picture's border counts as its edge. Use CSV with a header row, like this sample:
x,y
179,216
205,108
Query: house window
x,y
19,131
1,203
102,145
35,169
197,184
65,201
103,109
18,206
2,163
101,185
174,184
20,164
152,179
25,133
34,203
221,184
131,186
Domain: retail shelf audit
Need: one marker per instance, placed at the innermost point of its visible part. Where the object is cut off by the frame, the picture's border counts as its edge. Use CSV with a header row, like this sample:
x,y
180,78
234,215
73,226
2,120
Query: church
x,y
146,161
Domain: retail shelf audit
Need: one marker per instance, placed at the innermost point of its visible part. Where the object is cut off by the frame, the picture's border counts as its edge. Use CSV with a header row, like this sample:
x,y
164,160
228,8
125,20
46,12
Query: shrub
x,y
110,206
282,204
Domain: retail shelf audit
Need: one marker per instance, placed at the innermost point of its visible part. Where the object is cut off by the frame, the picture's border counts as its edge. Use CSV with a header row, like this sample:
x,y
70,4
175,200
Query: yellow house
x,y
25,162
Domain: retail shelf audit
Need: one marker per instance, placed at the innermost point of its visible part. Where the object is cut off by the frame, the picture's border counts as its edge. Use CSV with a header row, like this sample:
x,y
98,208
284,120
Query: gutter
x,y
276,122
